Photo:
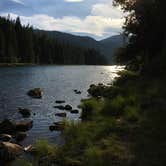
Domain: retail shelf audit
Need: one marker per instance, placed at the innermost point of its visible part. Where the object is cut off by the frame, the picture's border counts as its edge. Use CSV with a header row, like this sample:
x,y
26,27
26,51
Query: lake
x,y
58,83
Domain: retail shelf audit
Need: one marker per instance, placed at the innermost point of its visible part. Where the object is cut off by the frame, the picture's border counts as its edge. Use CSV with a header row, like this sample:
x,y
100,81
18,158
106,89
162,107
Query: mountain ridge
x,y
107,46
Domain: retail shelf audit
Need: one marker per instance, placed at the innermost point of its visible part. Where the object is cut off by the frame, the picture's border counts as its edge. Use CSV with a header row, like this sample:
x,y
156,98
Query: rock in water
x,y
60,107
59,101
36,93
63,114
9,151
7,127
77,91
24,125
5,137
68,107
74,111
20,136
24,112
57,126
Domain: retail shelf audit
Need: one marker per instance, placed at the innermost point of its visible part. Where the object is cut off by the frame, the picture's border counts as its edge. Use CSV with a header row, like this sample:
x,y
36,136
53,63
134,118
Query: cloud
x,y
95,25
100,18
106,10
73,0
18,1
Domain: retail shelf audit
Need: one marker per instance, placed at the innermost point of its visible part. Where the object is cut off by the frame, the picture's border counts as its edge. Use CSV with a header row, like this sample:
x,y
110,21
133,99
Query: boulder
x,y
24,125
36,93
9,151
63,114
7,127
74,111
5,137
77,91
57,126
24,112
59,101
60,107
20,136
68,107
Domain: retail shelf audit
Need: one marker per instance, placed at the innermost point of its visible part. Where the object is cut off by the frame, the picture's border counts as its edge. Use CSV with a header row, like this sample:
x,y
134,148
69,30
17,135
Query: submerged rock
x,y
77,91
24,125
36,93
66,107
74,111
24,112
59,101
63,114
60,107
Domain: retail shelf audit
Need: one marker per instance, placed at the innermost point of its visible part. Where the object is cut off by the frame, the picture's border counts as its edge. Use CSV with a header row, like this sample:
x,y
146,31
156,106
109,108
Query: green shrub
x,y
114,107
112,152
96,90
126,76
43,148
131,114
21,162
90,107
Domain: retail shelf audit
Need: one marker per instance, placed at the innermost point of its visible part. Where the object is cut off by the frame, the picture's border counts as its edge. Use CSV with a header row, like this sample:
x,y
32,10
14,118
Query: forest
x,y
20,44
122,124
145,27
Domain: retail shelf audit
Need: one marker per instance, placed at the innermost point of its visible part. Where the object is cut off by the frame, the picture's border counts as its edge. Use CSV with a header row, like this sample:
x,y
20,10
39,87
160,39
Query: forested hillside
x,y
107,47
20,44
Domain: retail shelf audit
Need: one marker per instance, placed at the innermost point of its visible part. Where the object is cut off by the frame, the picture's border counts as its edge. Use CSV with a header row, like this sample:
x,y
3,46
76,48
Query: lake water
x,y
58,83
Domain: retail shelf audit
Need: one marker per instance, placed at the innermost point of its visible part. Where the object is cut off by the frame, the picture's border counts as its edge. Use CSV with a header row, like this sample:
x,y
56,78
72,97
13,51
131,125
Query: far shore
x,y
17,64
33,64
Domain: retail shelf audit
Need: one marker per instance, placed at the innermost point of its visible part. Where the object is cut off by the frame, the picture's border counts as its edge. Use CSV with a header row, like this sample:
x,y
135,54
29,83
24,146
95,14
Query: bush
x,y
109,152
131,114
96,90
43,148
126,76
90,107
114,107
21,162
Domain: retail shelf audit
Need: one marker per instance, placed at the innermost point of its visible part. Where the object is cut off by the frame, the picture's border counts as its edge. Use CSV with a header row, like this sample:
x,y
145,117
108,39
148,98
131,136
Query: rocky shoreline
x,y
12,133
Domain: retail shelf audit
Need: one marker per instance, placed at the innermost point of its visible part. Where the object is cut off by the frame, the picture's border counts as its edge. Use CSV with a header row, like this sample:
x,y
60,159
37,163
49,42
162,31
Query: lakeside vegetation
x,y
123,124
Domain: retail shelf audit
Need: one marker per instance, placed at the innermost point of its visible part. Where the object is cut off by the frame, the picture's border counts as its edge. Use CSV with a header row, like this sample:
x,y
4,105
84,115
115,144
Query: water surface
x,y
58,83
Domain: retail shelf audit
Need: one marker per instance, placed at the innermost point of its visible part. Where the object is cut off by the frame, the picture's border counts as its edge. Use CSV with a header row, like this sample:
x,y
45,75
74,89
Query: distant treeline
x,y
20,44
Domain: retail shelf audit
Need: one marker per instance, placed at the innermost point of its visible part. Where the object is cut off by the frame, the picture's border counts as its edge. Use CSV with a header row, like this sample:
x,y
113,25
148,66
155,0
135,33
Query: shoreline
x,y
33,64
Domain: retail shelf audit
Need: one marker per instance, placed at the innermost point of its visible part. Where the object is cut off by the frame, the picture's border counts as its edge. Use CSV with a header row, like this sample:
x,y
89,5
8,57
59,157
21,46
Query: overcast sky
x,y
95,18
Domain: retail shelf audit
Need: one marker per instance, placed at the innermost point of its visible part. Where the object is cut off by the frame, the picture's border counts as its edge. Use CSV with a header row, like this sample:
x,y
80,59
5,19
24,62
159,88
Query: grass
x,y
21,162
43,148
123,125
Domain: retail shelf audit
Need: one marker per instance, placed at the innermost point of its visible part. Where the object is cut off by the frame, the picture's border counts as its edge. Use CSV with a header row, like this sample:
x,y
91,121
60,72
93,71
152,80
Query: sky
x,y
95,18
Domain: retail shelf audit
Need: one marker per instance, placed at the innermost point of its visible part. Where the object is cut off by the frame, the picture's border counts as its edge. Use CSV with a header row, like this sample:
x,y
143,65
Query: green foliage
x,y
131,113
90,107
43,148
21,162
22,44
96,90
114,107
145,27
